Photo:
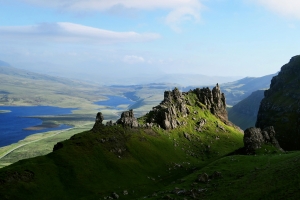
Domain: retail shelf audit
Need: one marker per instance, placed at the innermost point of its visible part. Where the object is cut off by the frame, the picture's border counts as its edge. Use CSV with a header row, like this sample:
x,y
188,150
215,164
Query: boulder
x,y
187,136
254,138
202,178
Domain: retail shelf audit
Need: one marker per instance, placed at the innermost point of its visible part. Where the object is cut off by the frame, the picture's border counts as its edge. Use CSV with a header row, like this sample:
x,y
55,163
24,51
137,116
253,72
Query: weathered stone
x,y
166,114
214,100
202,178
109,123
128,119
187,136
254,138
216,174
202,122
98,122
115,195
174,106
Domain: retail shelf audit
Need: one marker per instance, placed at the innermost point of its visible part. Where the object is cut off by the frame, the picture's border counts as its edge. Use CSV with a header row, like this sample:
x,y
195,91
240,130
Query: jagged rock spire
x,y
98,122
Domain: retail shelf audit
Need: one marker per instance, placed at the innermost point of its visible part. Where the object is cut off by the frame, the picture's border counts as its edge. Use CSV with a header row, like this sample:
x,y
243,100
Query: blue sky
x,y
137,37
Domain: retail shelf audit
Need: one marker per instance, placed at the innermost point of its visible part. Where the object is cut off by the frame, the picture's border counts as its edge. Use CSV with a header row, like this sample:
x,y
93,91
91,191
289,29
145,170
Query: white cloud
x,y
181,14
69,32
290,8
100,5
133,59
179,10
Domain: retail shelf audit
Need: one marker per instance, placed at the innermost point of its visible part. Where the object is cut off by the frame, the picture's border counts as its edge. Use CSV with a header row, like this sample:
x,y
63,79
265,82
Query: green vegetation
x,y
115,159
271,176
36,145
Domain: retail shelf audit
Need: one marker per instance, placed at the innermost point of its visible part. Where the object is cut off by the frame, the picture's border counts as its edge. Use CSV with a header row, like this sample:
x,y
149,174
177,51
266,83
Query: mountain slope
x,y
244,113
116,160
280,106
239,90
21,87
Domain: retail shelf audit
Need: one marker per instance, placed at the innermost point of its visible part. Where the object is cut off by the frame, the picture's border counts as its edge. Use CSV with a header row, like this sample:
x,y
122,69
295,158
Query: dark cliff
x,y
281,106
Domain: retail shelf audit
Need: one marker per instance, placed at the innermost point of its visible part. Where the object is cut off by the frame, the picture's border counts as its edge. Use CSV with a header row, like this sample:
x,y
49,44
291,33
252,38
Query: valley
x,y
182,145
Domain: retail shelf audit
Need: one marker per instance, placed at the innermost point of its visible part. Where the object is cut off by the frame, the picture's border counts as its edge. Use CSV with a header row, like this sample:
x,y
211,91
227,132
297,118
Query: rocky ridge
x,y
281,106
175,105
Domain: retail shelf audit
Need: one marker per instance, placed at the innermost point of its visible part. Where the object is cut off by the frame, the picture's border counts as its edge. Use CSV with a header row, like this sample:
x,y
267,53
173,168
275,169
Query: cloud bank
x,y
290,8
179,10
69,32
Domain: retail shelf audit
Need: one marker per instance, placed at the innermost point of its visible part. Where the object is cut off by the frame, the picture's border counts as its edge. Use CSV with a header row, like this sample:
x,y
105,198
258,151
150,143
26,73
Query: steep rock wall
x,y
281,106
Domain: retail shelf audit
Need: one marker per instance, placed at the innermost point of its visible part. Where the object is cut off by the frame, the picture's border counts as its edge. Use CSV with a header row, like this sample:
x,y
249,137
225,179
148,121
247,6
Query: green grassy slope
x,y
114,159
269,176
37,144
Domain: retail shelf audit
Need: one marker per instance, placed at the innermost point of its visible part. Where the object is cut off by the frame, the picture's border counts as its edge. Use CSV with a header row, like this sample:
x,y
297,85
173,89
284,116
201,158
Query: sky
x,y
103,39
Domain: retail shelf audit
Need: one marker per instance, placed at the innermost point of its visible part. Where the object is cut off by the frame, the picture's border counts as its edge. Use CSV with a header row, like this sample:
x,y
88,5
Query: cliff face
x,y
281,106
175,104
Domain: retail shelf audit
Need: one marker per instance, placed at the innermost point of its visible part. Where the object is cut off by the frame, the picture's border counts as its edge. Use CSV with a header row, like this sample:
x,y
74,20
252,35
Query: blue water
x,y
13,123
114,101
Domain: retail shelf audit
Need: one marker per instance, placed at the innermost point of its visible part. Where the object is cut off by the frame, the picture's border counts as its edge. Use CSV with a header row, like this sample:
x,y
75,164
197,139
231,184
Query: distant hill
x,y
2,63
238,90
7,69
193,79
22,87
244,113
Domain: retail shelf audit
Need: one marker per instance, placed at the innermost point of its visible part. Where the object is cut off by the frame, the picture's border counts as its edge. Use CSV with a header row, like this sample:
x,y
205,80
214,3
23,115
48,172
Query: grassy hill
x,y
141,161
154,163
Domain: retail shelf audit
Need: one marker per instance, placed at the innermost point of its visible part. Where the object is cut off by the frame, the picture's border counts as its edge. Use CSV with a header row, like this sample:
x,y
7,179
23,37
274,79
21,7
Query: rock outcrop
x,y
175,104
214,100
128,119
254,138
281,106
98,122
